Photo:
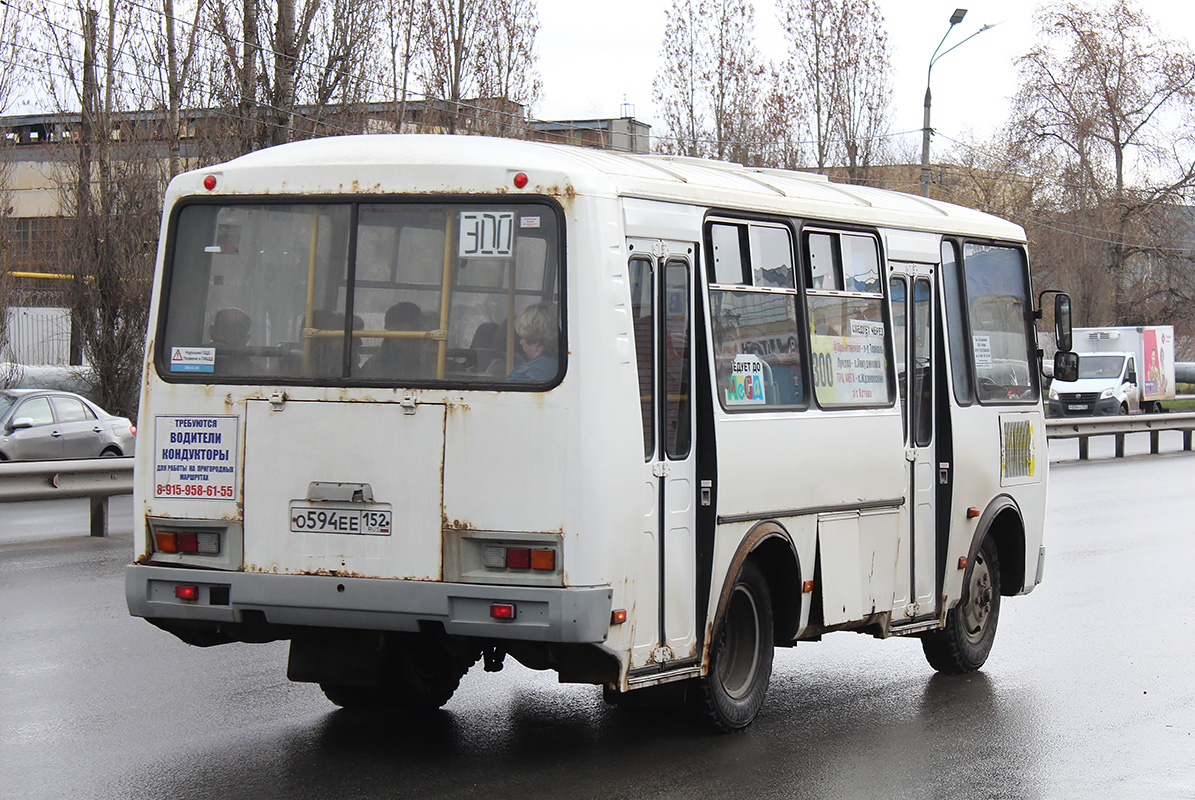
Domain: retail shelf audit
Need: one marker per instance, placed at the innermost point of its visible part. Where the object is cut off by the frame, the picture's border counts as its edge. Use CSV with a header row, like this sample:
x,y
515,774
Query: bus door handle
x,y
944,473
660,469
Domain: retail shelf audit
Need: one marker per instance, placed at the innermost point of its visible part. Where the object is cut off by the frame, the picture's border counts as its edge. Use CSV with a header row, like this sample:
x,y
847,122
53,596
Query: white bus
x,y
413,401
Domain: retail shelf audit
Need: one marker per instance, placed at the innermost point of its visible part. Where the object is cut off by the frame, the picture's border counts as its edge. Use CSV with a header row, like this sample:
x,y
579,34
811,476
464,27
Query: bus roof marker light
x,y
209,182
520,180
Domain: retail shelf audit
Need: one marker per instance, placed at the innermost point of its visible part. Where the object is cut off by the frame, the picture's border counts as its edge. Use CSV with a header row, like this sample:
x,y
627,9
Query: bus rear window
x,y
363,294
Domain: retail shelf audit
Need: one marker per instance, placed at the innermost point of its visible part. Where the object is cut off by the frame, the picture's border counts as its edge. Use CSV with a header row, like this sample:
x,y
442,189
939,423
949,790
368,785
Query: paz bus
x,y
416,400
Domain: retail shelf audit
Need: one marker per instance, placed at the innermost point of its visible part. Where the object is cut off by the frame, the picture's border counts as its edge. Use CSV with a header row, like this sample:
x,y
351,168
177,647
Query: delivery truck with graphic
x,y
1125,370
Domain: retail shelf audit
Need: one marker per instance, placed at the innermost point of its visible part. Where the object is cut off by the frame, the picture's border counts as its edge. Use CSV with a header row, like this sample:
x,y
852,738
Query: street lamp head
x,y
957,16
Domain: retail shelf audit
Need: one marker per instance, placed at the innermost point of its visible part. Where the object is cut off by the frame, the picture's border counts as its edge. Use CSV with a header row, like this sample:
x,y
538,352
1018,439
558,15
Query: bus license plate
x,y
371,521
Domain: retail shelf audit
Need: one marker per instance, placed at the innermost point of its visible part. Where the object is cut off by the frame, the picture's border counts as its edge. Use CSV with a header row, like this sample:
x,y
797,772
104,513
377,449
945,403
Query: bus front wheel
x,y
963,645
741,654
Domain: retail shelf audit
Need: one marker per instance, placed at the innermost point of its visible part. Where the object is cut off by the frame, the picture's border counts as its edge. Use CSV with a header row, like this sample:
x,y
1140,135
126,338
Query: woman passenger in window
x,y
536,329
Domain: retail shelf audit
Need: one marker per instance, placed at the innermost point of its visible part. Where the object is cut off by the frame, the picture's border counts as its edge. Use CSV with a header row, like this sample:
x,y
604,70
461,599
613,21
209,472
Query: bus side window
x,y
643,318
956,327
845,303
899,293
755,317
820,249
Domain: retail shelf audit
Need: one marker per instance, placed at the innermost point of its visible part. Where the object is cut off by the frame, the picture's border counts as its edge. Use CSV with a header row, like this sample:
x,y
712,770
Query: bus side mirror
x,y
1066,366
1062,323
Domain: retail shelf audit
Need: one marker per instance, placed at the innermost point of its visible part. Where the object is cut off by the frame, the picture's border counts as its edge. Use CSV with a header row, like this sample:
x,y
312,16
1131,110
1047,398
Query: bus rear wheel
x,y
964,644
420,676
741,654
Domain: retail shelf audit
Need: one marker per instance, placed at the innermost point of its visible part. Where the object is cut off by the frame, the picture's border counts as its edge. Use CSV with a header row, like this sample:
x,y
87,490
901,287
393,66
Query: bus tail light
x,y
499,557
205,543
186,592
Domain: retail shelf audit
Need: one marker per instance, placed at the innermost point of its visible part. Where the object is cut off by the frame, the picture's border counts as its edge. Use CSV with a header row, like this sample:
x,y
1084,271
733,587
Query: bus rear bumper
x,y
578,615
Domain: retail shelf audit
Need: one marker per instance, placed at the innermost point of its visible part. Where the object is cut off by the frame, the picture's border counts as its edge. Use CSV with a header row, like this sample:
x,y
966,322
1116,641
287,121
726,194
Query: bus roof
x,y
443,164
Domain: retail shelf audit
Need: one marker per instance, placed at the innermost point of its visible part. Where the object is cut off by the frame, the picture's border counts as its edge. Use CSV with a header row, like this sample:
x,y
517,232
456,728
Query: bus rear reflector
x,y
502,610
186,592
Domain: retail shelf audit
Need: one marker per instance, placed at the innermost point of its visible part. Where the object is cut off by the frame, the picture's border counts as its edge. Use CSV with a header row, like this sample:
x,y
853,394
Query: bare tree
x,y
478,50
403,21
708,89
734,81
1114,103
165,58
679,83
781,143
110,192
838,60
10,38
507,49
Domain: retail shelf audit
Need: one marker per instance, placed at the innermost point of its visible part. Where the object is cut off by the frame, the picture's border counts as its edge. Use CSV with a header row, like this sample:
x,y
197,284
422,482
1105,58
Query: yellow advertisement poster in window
x,y
851,369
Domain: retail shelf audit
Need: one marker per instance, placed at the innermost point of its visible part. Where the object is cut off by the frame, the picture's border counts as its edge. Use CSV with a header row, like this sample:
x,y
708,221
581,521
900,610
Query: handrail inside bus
x,y
445,295
311,259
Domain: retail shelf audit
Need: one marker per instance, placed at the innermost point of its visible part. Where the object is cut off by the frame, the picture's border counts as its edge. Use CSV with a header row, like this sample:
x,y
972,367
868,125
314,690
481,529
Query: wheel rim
x,y
979,600
738,661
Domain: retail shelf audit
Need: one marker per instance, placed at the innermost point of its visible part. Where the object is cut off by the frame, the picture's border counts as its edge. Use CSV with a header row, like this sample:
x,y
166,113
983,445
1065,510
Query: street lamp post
x,y
926,130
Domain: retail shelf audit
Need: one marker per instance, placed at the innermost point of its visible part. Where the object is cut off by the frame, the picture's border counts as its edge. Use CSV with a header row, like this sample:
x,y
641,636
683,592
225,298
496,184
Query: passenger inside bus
x,y
327,352
229,332
401,357
536,329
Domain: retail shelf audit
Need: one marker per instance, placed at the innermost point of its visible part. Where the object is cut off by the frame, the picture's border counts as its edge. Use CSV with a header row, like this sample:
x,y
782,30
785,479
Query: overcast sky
x,y
594,54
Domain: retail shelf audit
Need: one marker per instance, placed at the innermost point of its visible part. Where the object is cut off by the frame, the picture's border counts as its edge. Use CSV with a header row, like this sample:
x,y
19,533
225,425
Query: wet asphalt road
x,y
1089,693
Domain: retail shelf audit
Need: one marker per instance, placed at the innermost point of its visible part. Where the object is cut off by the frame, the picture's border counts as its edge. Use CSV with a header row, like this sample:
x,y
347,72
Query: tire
x,y
1123,411
741,654
358,697
420,677
427,675
964,644
110,452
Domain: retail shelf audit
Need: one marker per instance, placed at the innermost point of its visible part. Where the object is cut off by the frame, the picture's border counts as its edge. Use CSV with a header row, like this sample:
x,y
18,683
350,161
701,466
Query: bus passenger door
x,y
912,291
663,323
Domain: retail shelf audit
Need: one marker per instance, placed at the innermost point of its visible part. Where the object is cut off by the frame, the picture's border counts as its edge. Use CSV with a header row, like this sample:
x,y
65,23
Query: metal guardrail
x,y
1083,428
96,478
101,478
